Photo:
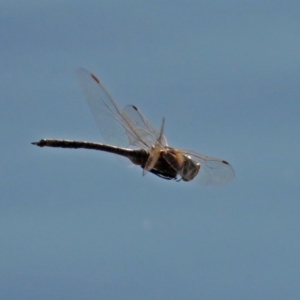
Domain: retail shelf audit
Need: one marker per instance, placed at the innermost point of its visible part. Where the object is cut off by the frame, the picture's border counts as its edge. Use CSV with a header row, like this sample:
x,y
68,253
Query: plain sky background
x,y
78,224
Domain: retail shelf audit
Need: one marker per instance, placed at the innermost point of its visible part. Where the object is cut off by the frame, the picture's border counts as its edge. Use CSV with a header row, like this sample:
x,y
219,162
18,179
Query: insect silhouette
x,y
128,133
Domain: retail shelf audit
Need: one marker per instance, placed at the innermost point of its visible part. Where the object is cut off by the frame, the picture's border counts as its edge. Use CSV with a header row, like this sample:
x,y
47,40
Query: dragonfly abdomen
x,y
140,156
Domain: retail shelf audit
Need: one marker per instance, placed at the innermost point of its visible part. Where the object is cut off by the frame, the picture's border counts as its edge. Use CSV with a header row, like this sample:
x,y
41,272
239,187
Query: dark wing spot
x,y
95,78
134,107
225,162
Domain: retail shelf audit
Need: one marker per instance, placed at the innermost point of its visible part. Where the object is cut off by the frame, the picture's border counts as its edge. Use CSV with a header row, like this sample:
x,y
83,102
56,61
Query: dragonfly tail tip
x,y
39,143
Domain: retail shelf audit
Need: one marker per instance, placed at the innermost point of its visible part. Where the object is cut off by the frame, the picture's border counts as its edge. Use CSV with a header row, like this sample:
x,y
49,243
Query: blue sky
x,y
80,224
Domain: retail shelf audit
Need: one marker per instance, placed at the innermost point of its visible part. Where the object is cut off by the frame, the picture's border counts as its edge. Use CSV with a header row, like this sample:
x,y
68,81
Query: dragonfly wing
x,y
146,131
213,171
155,151
115,125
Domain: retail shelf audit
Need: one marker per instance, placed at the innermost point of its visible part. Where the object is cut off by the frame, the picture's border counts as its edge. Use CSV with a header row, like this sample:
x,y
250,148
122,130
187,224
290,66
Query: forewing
x,y
146,131
213,171
115,125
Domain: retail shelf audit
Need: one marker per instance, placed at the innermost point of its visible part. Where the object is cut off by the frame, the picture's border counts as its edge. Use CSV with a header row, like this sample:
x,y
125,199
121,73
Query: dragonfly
x,y
129,134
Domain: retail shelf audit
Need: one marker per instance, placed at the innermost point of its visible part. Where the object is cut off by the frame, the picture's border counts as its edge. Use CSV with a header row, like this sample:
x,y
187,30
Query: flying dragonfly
x,y
128,133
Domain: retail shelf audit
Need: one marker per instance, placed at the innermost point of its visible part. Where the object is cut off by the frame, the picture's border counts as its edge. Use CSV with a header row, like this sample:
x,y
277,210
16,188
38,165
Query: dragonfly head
x,y
190,169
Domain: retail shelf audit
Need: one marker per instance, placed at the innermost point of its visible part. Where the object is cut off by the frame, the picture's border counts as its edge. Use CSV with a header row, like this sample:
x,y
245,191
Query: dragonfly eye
x,y
190,169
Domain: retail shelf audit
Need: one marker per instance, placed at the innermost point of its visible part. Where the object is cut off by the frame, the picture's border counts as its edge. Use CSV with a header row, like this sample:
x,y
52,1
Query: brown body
x,y
138,157
128,127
